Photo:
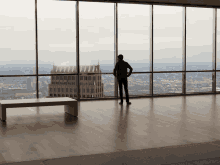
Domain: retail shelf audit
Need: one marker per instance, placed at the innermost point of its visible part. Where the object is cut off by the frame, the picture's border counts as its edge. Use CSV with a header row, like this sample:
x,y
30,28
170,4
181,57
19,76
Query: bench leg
x,y
72,108
2,113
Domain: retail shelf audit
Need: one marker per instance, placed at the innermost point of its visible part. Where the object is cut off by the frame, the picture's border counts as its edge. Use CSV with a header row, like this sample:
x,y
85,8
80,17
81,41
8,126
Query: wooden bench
x,y
71,106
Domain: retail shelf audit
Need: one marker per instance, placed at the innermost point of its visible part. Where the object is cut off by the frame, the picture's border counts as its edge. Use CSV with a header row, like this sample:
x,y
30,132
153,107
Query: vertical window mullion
x,y
151,51
77,47
116,44
36,48
214,51
184,53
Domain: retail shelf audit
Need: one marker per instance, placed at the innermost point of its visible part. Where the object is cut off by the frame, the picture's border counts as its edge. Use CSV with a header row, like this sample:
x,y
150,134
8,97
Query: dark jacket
x,y
120,70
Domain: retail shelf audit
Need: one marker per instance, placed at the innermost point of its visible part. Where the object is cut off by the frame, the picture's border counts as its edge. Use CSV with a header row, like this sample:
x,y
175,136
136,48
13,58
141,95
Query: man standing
x,y
121,69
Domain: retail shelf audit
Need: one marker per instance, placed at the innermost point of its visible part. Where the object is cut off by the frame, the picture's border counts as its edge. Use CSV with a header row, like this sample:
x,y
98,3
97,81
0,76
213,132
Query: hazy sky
x,y
57,35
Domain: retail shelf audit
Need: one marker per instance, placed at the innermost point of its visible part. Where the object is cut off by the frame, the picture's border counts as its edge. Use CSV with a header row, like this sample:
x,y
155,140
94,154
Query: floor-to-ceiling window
x,y
199,42
17,48
134,44
167,55
96,43
56,48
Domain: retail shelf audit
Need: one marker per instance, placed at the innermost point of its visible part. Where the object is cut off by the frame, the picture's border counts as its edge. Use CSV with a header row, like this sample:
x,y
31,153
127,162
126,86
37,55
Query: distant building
x,y
34,71
33,84
66,86
29,84
11,92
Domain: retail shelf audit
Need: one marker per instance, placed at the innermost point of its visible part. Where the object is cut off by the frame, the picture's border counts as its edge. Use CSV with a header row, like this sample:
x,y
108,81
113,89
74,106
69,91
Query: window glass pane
x,y
167,83
43,82
97,88
198,82
199,26
217,81
17,88
133,35
138,84
96,36
218,40
17,41
168,29
56,36
59,89
94,88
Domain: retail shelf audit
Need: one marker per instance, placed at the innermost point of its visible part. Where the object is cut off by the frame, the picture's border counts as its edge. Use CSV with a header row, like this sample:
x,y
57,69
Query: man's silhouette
x,y
121,69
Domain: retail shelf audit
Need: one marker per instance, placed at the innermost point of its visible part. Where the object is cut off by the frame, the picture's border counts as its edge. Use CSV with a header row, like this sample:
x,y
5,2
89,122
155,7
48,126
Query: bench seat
x,y
71,106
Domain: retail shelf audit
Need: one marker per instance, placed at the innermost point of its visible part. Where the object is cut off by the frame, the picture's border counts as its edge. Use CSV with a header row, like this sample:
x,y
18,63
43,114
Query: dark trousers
x,y
125,82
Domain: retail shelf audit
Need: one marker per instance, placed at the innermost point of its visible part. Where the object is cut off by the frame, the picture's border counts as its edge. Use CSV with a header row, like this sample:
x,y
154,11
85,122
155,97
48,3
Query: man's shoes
x,y
128,103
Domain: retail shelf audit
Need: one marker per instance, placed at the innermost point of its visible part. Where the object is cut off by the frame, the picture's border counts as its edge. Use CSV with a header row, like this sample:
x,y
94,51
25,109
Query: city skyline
x,y
28,69
202,57
12,88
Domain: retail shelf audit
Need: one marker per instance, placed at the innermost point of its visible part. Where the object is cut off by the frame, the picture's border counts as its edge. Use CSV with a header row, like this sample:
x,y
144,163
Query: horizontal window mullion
x,y
108,73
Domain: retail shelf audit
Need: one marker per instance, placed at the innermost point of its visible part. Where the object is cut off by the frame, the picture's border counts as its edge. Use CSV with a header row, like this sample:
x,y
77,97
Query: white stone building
x,y
66,86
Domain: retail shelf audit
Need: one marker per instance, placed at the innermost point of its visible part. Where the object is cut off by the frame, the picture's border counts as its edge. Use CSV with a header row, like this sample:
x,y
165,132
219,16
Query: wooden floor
x,y
40,133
